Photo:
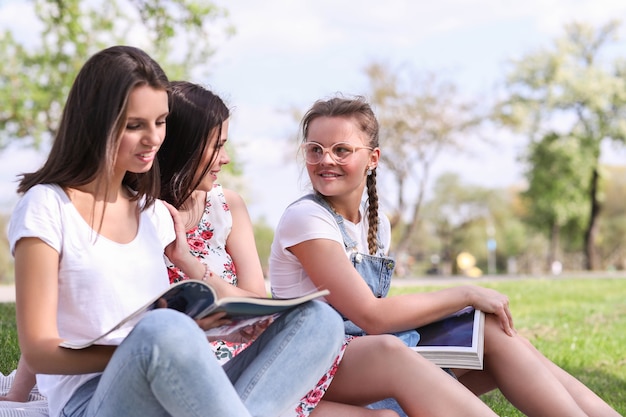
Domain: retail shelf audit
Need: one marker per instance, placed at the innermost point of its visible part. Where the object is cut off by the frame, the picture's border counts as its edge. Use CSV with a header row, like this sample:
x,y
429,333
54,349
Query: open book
x,y
455,341
198,299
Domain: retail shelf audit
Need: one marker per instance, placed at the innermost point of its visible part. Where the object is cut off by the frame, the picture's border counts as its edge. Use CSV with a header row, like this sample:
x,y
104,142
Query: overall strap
x,y
348,242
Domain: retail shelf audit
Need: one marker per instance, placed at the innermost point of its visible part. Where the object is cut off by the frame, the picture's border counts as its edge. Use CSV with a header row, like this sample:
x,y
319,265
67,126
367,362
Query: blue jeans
x,y
165,368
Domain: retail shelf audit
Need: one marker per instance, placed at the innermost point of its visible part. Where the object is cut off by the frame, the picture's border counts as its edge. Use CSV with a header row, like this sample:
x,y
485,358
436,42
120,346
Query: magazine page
x,y
198,299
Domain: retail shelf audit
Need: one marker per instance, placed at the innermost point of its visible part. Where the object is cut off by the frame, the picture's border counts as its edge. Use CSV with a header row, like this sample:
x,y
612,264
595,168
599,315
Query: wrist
x,y
207,273
467,295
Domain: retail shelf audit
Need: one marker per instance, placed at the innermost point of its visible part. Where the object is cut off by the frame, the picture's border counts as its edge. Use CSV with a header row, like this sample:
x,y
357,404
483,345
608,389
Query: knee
x,y
496,340
391,346
322,319
166,328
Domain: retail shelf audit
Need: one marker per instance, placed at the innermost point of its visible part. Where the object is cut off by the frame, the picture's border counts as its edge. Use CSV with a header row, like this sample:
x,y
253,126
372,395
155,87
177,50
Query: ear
x,y
374,157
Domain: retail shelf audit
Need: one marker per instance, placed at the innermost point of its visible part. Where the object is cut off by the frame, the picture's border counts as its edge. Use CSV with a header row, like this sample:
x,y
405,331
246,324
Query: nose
x,y
224,157
326,154
154,136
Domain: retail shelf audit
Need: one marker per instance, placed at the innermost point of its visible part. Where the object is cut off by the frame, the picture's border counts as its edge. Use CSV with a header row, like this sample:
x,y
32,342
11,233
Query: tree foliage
x,y
576,91
36,74
557,184
611,244
420,117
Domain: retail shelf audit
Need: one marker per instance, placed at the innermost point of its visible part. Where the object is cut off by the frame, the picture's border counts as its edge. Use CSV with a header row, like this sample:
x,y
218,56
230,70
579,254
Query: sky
x,y
287,54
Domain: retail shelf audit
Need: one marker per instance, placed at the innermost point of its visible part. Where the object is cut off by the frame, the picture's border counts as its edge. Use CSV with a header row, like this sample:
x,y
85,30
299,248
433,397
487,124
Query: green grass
x,y
9,349
580,324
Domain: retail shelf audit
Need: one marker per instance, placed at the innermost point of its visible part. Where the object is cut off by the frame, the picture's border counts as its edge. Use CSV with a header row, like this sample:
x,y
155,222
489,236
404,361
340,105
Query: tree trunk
x,y
553,250
592,225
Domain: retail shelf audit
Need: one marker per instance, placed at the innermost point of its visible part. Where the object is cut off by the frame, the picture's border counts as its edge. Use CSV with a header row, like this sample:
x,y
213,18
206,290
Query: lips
x,y
147,156
326,174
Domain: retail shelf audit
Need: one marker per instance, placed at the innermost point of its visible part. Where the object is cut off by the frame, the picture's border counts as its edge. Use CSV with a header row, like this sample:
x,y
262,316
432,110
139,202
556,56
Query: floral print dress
x,y
207,241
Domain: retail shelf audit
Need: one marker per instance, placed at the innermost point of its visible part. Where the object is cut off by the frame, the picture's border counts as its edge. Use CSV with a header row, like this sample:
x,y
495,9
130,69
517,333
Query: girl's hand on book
x,y
251,332
493,302
213,320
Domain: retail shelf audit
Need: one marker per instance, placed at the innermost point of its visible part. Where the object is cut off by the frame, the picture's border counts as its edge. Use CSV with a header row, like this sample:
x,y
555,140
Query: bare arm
x,y
22,385
240,245
325,262
36,285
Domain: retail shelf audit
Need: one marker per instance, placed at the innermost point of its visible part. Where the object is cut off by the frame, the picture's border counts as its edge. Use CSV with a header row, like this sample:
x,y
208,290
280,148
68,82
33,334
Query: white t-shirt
x,y
307,220
100,281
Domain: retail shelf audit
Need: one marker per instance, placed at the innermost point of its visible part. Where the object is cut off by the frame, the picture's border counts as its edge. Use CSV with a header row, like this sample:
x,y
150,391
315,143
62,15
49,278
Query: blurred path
x,y
7,293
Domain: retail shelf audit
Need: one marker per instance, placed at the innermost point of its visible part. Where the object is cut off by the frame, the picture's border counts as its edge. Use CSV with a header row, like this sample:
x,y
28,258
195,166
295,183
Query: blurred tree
x,y
263,236
36,74
6,259
420,117
610,243
557,183
576,90
474,219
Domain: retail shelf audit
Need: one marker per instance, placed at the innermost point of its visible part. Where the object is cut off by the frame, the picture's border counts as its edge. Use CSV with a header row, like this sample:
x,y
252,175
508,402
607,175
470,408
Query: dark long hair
x,y
93,120
196,113
358,109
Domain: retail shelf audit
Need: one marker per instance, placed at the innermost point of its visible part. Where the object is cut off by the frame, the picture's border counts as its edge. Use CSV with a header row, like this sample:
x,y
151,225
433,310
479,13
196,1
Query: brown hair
x,y
196,113
359,109
94,117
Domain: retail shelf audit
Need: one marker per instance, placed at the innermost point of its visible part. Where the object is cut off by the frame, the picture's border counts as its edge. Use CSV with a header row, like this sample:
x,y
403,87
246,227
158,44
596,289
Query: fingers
x,y
179,226
251,332
494,302
161,303
213,320
170,207
506,318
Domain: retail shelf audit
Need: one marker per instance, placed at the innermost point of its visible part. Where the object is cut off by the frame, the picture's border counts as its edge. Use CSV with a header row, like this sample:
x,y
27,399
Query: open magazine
x,y
198,299
456,341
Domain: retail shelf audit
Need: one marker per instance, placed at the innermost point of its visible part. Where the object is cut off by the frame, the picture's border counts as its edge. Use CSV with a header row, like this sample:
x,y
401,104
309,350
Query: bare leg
x,y
530,381
586,399
378,367
333,409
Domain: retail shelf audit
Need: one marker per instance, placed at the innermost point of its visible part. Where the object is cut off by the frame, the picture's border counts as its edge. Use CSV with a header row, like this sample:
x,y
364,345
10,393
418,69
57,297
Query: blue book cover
x,y
455,341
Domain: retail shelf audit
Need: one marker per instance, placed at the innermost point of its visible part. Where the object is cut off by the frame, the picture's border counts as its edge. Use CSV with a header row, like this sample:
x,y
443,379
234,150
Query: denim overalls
x,y
376,270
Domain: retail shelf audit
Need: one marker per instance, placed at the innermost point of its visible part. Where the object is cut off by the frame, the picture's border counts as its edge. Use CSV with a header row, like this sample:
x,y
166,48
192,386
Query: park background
x,y
464,193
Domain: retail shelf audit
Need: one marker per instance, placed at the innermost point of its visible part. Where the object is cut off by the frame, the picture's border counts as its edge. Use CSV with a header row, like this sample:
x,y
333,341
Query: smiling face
x,y
144,130
216,155
346,181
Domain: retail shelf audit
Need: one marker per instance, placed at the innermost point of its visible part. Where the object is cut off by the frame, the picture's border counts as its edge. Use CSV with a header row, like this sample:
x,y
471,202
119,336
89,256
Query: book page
x,y
197,299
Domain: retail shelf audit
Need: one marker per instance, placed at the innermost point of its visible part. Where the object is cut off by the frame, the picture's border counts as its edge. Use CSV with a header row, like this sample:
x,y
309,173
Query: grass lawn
x,y
578,323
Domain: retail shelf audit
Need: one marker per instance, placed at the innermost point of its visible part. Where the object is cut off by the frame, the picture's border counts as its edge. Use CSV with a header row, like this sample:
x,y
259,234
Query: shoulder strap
x,y
348,242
